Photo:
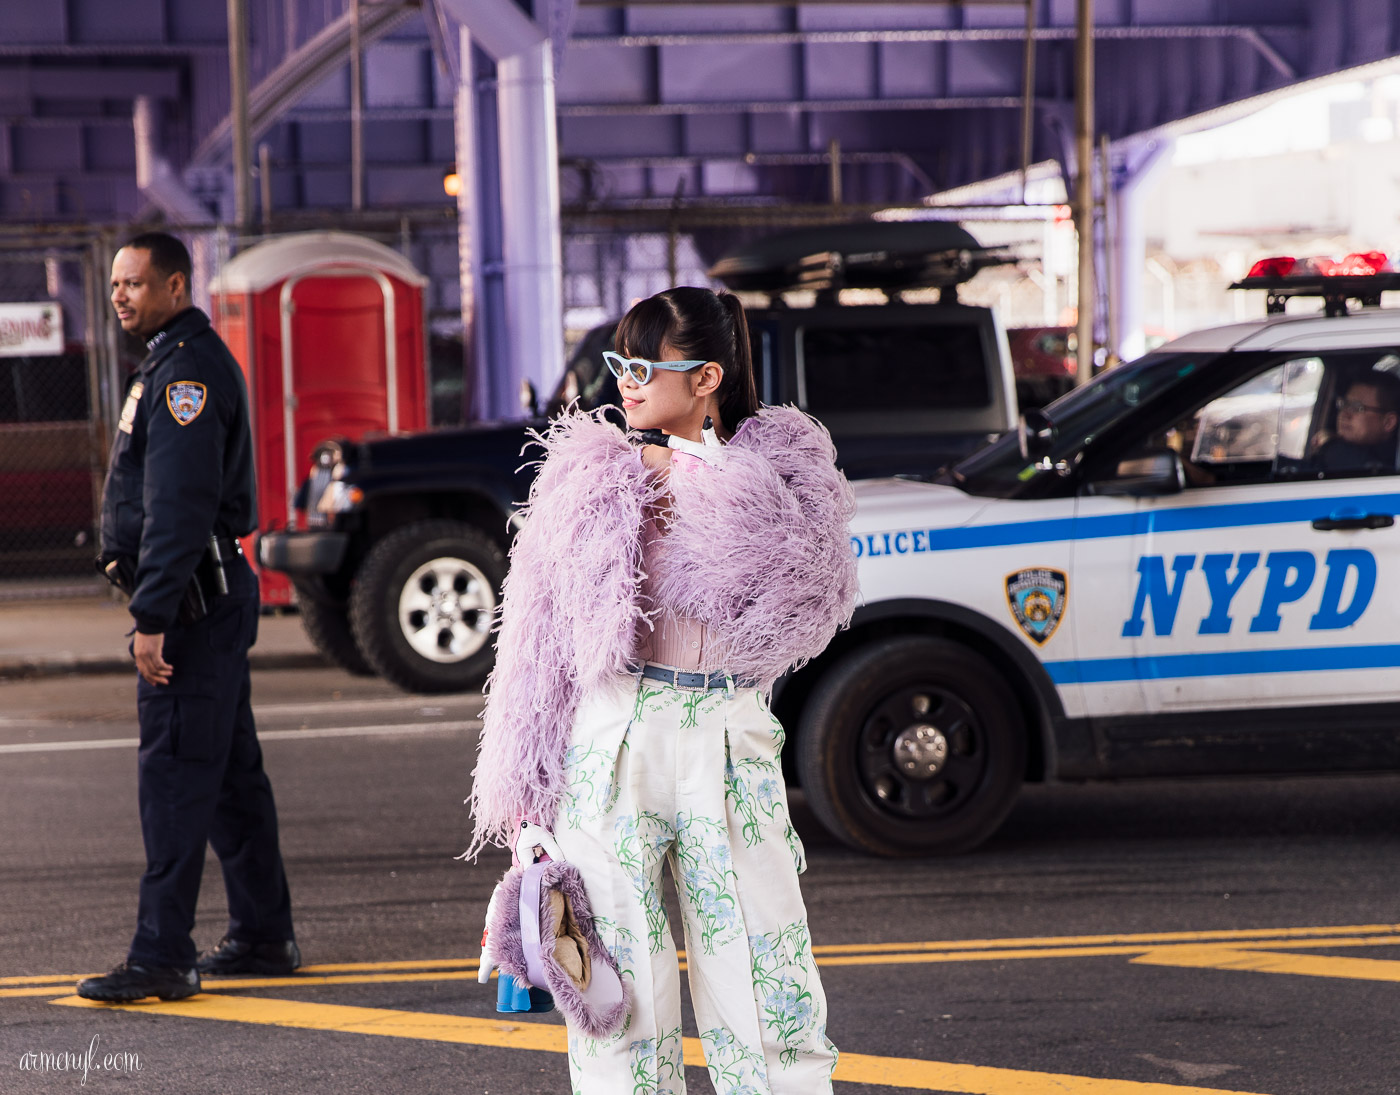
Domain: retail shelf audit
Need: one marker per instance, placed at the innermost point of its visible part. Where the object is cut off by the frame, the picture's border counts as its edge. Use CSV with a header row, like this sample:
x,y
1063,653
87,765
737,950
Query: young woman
x,y
653,598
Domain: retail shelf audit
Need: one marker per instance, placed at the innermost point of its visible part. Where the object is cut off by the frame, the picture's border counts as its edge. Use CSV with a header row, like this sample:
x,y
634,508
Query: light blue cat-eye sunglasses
x,y
640,369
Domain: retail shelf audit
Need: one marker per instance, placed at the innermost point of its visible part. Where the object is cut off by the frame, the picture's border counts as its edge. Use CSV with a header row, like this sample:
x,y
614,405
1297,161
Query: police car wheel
x,y
423,603
328,628
911,746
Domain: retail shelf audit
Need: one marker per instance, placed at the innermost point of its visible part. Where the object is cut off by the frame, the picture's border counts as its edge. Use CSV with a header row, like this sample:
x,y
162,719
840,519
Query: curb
x,y
65,665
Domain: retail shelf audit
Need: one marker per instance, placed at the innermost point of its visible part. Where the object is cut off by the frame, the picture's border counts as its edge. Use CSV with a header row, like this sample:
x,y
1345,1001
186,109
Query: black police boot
x,y
238,956
130,981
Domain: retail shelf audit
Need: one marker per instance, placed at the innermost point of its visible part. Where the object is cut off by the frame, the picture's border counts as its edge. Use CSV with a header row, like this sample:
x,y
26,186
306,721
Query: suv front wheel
x,y
911,746
328,628
423,604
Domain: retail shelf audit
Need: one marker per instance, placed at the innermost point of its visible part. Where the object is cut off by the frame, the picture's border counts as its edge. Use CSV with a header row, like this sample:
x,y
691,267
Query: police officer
x,y
179,493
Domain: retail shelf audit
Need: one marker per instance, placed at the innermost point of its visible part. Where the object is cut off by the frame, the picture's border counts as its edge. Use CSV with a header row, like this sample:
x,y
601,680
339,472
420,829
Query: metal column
x,y
357,107
238,112
468,233
534,262
1084,188
532,259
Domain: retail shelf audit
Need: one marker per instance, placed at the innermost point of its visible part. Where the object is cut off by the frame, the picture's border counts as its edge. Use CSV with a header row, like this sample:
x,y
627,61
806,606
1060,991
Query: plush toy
x,y
541,938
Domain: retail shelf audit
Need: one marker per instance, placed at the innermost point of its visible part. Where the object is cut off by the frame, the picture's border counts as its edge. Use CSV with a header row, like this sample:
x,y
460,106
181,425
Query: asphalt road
x,y
1132,939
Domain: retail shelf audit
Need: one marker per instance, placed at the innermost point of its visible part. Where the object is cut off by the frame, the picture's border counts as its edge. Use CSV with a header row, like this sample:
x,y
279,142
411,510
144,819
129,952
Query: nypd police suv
x,y
1186,567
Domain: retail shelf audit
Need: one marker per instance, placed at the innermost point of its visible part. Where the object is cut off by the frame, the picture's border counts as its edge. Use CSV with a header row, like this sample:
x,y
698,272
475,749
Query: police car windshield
x,y
1000,471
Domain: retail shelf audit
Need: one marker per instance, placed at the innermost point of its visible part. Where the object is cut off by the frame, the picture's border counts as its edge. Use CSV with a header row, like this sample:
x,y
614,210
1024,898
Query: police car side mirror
x,y
1036,433
1150,474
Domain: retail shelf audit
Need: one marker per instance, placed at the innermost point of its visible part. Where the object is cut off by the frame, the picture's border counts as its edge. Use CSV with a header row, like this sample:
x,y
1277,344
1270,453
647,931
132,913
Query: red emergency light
x,y
1278,267
1361,276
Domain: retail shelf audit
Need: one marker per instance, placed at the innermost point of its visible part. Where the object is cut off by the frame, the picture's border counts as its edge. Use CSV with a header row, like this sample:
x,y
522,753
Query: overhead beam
x,y
933,34
788,106
755,159
87,82
502,29
30,50
299,72
795,3
744,106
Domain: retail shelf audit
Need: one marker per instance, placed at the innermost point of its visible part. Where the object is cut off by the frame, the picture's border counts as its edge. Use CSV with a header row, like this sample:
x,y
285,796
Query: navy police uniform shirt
x,y
181,465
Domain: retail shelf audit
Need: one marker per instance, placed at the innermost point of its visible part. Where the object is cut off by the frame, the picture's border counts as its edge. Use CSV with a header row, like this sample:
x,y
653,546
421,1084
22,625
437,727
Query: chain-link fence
x,y
51,438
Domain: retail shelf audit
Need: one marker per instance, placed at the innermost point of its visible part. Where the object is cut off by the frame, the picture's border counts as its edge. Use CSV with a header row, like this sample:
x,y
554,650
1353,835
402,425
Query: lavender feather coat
x,y
758,550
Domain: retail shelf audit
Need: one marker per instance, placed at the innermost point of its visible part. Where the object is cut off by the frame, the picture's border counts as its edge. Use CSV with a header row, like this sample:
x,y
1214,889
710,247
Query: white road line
x,y
408,705
415,704
389,730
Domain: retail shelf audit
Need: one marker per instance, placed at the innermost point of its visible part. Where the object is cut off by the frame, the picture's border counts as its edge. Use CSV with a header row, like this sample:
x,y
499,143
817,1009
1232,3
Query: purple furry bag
x,y
541,932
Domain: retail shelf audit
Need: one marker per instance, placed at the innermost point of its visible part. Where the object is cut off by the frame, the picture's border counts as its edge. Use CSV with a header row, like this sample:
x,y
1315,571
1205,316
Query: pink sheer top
x,y
673,640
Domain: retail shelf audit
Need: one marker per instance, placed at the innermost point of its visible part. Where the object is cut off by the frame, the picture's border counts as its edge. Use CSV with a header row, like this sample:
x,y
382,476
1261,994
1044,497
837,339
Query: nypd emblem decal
x,y
185,398
1037,599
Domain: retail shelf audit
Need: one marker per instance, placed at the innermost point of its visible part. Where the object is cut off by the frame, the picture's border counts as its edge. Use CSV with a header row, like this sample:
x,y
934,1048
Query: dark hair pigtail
x,y
738,397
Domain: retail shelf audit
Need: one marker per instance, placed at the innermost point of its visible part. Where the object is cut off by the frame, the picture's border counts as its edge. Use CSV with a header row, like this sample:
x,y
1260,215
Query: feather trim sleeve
x,y
569,610
759,549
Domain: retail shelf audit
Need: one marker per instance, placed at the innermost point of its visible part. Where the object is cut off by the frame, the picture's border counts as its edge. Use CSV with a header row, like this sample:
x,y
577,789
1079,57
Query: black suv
x,y
401,543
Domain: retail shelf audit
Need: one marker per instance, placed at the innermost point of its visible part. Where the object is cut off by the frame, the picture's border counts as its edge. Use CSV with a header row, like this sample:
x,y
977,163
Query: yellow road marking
x,y
1095,940
46,979
853,1068
872,948
1013,949
414,964
291,981
1084,952
1307,965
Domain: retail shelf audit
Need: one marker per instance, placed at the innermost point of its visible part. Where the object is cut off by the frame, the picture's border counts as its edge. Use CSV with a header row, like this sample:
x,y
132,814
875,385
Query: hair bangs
x,y
644,329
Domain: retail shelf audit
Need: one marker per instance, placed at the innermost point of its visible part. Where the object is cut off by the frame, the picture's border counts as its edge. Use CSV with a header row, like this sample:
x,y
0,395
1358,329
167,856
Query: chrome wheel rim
x,y
445,610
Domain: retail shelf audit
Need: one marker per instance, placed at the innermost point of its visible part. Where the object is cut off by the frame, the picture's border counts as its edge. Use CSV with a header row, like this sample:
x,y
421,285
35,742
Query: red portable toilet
x,y
329,329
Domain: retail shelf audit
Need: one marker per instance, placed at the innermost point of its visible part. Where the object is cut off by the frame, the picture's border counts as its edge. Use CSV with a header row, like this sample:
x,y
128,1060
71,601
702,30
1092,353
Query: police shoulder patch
x,y
185,398
1037,597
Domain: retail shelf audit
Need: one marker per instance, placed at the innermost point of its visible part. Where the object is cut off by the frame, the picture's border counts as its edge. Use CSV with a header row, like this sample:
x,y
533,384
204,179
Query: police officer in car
x,y
1368,413
179,493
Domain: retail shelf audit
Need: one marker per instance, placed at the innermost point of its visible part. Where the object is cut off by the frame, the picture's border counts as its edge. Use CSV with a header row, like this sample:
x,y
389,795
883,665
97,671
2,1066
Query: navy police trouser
x,y
201,781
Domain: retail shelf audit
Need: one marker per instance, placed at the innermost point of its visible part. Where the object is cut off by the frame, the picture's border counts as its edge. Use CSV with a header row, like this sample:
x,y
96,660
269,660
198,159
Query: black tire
x,y
328,628
423,603
879,697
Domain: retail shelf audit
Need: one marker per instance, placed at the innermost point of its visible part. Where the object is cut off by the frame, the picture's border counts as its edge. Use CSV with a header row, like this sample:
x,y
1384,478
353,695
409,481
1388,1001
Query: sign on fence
x,y
31,329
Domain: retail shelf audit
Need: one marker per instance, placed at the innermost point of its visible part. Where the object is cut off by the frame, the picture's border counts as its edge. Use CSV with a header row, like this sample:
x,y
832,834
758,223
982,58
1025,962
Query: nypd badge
x,y
1037,598
185,398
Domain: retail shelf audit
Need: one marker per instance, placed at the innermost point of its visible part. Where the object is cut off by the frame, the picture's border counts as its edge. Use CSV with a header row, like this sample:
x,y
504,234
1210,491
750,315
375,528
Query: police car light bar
x,y
1361,276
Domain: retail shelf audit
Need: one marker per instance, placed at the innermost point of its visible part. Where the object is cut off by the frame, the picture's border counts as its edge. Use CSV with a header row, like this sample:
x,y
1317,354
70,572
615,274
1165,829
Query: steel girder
x,y
717,101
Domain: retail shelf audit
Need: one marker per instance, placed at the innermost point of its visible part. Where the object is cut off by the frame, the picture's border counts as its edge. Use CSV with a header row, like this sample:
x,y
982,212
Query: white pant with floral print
x,y
658,773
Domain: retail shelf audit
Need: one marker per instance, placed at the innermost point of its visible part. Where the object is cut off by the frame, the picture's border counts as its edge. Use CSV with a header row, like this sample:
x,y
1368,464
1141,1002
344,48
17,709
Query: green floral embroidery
x,y
656,1065
591,790
783,975
735,1069
830,1048
755,789
654,698
574,1067
794,843
697,704
779,734
706,875
641,841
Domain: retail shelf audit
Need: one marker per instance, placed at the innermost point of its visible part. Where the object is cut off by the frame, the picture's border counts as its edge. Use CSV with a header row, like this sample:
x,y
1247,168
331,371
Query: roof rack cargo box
x,y
863,255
